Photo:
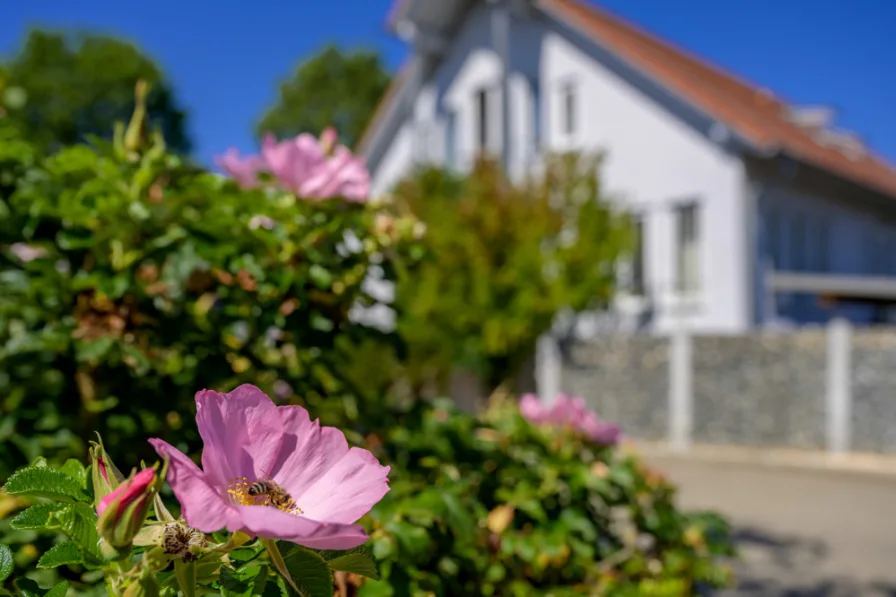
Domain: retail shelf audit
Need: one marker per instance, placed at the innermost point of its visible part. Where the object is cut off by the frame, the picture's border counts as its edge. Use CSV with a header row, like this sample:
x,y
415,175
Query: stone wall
x,y
624,378
874,390
761,389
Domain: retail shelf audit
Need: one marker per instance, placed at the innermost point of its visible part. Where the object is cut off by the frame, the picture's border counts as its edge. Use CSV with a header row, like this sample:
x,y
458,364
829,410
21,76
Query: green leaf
x,y
94,350
244,581
44,482
186,577
232,585
29,588
275,587
357,561
6,563
277,560
320,276
60,555
35,517
59,590
309,572
74,469
78,521
460,517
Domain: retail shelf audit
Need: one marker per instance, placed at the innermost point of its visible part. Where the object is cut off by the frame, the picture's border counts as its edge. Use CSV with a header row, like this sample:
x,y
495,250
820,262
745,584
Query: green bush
x,y
505,258
491,505
132,278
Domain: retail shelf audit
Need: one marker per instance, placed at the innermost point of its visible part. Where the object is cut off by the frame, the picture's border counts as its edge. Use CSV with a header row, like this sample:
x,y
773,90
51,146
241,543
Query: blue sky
x,y
226,57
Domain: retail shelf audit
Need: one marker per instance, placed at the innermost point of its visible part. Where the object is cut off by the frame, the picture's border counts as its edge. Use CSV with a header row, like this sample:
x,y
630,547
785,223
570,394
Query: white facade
x,y
567,91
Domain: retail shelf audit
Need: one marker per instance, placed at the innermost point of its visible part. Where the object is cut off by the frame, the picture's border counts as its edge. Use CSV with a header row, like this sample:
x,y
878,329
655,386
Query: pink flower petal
x,y
244,170
245,435
328,139
241,433
308,450
571,413
348,490
128,491
532,408
202,506
272,523
343,176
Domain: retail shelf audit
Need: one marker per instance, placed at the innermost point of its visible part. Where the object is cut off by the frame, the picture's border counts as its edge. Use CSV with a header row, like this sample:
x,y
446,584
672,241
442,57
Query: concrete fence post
x,y
838,398
681,391
547,368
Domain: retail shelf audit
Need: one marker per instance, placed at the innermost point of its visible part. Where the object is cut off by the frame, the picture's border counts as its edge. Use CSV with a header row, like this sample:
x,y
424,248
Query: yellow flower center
x,y
261,493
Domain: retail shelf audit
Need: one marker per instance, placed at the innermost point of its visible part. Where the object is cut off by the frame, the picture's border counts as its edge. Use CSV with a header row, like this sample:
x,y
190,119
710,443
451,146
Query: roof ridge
x,y
667,45
754,112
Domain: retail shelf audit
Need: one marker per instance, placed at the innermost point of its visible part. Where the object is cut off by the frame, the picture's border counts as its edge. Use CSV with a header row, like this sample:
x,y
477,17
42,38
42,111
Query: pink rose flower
x,y
244,170
271,472
122,512
128,492
309,167
572,413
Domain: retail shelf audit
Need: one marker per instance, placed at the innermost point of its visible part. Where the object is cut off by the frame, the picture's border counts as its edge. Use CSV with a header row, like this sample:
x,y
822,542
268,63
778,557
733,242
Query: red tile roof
x,y
753,113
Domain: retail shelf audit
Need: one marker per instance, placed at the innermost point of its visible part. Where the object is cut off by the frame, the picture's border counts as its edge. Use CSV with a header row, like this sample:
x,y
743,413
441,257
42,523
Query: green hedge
x,y
491,505
133,279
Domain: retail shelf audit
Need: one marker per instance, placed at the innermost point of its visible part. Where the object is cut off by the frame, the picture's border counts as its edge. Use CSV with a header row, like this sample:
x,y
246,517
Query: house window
x,y
637,283
821,247
877,259
535,95
570,108
451,139
773,240
483,120
798,245
688,248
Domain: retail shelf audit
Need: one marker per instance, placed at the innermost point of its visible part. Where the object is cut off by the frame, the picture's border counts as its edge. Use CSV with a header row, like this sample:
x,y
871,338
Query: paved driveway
x,y
801,533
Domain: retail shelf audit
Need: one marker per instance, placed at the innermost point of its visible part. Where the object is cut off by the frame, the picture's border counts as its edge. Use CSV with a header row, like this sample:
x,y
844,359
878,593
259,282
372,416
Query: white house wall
x,y
655,159
394,163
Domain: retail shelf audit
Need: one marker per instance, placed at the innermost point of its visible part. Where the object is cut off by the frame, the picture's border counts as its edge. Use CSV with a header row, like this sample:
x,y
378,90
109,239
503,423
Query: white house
x,y
751,210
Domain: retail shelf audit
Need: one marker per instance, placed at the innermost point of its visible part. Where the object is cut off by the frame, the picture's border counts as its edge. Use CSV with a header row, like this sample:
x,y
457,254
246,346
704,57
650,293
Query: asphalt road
x,y
801,533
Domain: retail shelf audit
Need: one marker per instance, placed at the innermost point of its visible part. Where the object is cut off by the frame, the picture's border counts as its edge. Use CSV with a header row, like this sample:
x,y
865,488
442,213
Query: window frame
x,y
683,287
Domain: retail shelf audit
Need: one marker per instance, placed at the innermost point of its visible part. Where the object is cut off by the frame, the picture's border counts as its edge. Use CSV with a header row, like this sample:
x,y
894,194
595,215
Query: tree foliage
x,y
333,88
504,260
77,86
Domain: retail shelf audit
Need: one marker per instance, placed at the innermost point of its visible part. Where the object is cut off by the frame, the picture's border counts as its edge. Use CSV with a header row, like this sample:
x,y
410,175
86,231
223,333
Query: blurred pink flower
x,y
569,412
309,167
271,472
244,170
328,140
27,252
261,221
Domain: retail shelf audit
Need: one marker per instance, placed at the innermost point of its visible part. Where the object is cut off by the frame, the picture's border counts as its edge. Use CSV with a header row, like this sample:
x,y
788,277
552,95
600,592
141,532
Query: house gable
x,y
768,124
661,152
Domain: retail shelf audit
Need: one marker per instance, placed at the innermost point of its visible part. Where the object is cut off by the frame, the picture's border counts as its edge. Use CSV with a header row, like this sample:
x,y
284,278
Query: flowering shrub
x,y
494,505
310,168
105,517
130,277
570,413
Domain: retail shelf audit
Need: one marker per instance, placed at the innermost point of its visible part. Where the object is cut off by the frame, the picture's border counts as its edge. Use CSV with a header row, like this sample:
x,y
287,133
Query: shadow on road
x,y
786,566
